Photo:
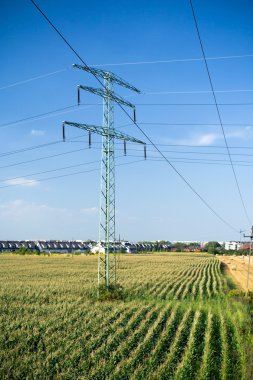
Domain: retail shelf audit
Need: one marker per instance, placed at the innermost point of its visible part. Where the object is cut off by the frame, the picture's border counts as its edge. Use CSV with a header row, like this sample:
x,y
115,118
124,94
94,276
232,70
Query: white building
x,y
233,245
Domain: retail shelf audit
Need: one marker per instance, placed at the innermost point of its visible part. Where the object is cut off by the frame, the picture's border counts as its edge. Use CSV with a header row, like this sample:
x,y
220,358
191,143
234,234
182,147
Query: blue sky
x,y
152,201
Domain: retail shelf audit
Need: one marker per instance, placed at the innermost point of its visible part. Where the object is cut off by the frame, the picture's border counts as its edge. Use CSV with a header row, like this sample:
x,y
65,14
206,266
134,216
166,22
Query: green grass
x,y
174,318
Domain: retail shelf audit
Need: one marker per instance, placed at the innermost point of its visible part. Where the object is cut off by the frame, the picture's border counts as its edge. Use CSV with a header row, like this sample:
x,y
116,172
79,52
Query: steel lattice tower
x,y
106,264
107,258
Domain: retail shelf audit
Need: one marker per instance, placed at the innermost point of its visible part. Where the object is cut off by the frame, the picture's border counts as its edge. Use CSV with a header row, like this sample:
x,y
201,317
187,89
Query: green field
x,y
177,320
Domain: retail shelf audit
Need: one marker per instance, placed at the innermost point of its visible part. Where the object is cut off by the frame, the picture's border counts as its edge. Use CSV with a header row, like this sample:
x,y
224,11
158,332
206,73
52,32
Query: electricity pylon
x,y
107,264
249,256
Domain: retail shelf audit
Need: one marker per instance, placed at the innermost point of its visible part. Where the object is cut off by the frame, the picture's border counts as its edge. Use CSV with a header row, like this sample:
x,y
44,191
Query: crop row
x,y
151,343
202,280
52,329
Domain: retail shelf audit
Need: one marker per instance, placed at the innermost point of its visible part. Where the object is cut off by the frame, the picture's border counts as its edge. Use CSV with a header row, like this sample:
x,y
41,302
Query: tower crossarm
x,y
104,132
106,94
107,75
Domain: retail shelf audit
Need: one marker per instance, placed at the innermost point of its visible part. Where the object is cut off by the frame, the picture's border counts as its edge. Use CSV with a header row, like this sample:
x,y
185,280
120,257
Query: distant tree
x,y
23,251
194,245
179,246
212,247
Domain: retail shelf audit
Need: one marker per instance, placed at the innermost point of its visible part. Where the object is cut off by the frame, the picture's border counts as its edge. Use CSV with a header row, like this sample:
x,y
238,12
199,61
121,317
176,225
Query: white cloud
x,y
19,210
22,182
202,139
206,139
210,138
32,220
37,132
194,139
241,134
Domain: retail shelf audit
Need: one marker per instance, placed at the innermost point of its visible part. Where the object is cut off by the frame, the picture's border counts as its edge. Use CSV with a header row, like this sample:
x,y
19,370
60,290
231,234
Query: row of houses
x,y
63,246
55,246
152,246
67,246
11,246
46,246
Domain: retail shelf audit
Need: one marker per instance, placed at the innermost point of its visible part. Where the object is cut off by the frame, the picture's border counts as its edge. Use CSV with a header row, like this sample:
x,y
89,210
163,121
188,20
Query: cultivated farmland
x,y
176,321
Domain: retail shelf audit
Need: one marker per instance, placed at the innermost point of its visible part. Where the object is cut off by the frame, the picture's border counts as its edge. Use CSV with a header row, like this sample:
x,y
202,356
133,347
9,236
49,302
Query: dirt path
x,y
237,268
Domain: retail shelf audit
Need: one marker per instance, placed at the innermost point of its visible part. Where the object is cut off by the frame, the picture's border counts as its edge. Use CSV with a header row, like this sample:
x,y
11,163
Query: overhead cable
x,y
175,60
52,170
72,108
32,79
66,175
42,158
150,92
218,111
43,115
187,160
141,130
126,64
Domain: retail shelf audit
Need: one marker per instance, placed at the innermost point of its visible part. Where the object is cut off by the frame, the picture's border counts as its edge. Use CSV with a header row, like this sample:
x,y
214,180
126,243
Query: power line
x,y
52,170
75,107
49,171
175,60
33,147
193,104
36,116
196,124
150,158
94,142
67,175
150,92
66,42
41,115
39,146
200,153
206,146
197,161
218,110
29,148
49,178
129,149
187,146
32,79
72,140
172,166
46,157
43,158
182,152
125,64
188,183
